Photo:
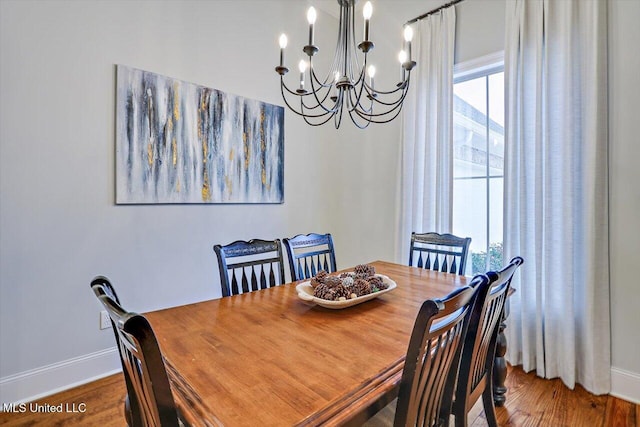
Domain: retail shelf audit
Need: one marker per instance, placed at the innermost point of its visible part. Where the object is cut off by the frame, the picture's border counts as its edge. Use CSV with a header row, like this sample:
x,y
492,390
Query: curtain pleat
x,y
426,179
556,197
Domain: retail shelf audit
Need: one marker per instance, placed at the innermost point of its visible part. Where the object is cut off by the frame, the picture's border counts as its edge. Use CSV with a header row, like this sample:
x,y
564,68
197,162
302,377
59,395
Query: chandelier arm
x,y
315,92
284,86
401,97
294,93
320,103
301,112
356,123
306,117
312,72
382,92
354,100
320,123
373,117
314,76
361,86
338,117
352,37
375,120
361,77
394,107
340,44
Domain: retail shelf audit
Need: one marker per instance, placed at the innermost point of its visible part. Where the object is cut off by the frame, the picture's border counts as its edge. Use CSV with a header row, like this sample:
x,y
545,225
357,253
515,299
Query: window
x,y
478,170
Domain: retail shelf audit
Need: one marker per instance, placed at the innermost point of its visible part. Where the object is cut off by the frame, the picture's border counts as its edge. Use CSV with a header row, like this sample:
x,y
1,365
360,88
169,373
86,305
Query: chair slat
x,y
443,252
314,251
245,282
263,280
255,255
314,269
272,278
234,283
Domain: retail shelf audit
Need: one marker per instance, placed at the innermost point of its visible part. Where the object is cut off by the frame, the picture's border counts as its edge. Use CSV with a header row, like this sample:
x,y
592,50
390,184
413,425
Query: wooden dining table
x,y
268,358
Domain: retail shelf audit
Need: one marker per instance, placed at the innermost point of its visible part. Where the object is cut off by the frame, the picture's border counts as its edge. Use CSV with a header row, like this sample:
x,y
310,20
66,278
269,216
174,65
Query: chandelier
x,y
345,86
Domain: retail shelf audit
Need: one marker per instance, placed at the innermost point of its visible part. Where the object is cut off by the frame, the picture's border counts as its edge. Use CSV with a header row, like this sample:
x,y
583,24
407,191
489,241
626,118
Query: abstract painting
x,y
178,142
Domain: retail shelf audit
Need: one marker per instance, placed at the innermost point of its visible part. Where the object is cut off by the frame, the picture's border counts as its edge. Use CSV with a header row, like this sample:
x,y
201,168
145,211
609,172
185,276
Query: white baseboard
x,y
36,383
625,385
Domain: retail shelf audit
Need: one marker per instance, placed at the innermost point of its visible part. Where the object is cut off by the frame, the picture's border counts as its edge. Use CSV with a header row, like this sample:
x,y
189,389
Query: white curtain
x,y
426,179
556,212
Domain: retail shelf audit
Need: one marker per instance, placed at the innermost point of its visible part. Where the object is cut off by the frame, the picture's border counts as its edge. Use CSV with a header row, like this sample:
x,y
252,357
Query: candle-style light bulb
x,y
372,72
311,15
283,44
402,57
367,10
311,18
408,35
302,66
283,41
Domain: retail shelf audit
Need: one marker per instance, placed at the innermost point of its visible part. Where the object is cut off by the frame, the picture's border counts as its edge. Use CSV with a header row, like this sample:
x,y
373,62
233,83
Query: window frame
x,y
482,67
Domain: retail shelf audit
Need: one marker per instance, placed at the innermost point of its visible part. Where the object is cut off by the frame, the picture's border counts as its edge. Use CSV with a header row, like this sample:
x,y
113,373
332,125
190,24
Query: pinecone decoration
x,y
324,292
347,282
364,271
341,291
361,287
332,281
319,278
377,284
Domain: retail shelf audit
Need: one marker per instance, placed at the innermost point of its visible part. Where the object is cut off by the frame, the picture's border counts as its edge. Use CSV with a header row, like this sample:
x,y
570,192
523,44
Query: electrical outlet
x,y
105,320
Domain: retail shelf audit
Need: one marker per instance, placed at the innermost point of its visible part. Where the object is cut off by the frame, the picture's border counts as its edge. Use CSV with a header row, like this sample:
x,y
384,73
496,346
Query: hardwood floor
x,y
531,402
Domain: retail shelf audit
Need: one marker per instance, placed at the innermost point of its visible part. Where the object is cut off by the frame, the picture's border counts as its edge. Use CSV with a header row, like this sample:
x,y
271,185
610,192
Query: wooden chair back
x,y
476,364
257,264
441,252
431,364
310,253
150,398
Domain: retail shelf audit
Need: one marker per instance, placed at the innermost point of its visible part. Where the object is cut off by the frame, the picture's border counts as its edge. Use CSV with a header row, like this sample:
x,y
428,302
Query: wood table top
x,y
268,358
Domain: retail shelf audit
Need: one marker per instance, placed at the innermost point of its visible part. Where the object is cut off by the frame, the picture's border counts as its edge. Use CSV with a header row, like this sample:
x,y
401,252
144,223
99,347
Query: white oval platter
x,y
305,293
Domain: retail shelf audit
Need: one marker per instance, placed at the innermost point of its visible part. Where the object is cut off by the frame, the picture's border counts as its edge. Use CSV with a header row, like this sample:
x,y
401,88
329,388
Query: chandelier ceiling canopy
x,y
349,83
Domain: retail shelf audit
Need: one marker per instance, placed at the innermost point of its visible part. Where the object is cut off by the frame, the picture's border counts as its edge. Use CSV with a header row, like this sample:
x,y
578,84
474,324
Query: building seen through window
x,y
478,172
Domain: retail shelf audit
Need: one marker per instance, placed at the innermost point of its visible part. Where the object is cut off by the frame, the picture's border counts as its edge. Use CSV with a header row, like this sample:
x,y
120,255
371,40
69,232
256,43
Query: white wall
x,y
479,29
624,196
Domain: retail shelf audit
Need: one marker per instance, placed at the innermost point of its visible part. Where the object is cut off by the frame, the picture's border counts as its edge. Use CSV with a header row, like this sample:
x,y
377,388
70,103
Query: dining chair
x,y
149,399
441,252
108,290
310,253
475,377
258,264
431,364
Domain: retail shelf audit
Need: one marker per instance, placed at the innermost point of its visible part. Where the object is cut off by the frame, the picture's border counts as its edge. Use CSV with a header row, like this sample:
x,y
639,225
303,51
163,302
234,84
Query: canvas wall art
x,y
179,142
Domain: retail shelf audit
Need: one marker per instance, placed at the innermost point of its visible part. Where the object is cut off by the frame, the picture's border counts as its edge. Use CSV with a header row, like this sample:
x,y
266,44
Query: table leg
x,y
500,363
